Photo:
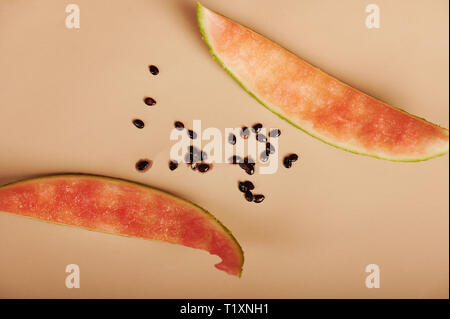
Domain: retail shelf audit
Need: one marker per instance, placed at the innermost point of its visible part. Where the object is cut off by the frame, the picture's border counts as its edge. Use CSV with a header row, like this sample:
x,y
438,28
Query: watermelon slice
x,y
315,102
120,207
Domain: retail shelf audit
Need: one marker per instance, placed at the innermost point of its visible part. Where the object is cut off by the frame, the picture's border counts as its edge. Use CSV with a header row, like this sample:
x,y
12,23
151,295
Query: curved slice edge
x,y
223,265
201,10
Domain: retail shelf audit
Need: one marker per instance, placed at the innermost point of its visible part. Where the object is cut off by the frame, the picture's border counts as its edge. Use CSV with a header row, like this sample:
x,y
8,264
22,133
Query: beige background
x,y
67,98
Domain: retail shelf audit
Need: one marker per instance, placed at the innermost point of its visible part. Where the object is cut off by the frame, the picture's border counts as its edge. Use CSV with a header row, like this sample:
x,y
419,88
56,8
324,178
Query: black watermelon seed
x,y
249,185
143,165
153,70
203,167
264,157
232,139
179,125
248,196
287,163
261,138
192,134
257,127
270,149
293,157
138,123
275,133
149,101
258,198
242,187
235,159
245,132
173,165
250,170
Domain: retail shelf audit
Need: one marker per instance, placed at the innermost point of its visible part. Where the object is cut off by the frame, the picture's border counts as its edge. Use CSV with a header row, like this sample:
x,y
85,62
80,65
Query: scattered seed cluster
x,y
194,157
144,165
248,164
246,187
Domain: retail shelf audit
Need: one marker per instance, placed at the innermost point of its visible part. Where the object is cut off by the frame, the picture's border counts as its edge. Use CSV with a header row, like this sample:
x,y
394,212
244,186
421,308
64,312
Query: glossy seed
x,y
293,157
232,139
261,138
143,165
235,159
270,149
153,69
192,134
289,159
248,196
287,163
173,164
257,127
250,170
149,101
275,133
138,123
249,185
258,198
242,187
179,125
264,157
245,132
203,167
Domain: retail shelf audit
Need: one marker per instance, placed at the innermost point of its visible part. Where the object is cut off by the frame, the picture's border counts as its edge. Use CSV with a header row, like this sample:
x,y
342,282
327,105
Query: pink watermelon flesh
x,y
314,101
119,207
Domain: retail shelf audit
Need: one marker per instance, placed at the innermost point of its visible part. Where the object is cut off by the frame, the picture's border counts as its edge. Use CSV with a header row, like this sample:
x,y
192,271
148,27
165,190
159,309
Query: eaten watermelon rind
x,y
200,19
114,179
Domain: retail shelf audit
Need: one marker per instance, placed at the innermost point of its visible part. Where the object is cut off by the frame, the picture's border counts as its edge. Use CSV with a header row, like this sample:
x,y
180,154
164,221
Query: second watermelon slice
x,y
315,102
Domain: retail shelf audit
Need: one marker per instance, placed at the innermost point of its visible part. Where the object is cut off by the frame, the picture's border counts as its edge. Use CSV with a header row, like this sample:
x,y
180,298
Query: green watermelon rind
x,y
201,209
200,15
